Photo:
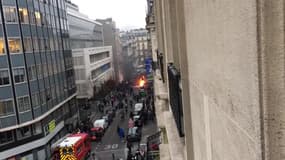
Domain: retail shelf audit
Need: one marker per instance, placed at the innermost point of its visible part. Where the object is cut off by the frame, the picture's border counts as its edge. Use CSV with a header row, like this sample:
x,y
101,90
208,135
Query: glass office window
x,y
40,72
36,99
43,97
47,44
43,18
42,44
28,47
45,70
6,137
23,15
32,17
32,73
6,107
50,71
38,18
35,44
19,75
4,77
24,132
10,14
24,104
51,43
37,128
14,45
2,46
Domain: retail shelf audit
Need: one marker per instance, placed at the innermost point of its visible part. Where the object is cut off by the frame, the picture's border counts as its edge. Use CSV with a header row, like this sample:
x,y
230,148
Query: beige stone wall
x,y
223,73
272,77
231,56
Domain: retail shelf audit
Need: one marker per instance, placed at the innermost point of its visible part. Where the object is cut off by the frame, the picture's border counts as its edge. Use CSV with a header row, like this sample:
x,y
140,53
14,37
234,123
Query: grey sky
x,y
126,13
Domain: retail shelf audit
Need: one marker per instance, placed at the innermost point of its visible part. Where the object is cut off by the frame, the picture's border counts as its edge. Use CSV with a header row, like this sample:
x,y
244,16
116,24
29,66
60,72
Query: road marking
x,y
107,147
115,146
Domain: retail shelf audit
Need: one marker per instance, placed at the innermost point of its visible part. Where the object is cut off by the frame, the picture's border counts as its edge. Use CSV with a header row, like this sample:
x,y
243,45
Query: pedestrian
x,y
121,134
113,156
118,129
129,146
131,123
93,156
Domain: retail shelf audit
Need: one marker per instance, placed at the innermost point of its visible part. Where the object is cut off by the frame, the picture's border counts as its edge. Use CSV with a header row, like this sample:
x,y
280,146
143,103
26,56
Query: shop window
x,y
23,132
41,154
6,107
19,75
6,137
23,15
37,128
14,45
2,46
10,14
4,77
27,157
28,47
24,104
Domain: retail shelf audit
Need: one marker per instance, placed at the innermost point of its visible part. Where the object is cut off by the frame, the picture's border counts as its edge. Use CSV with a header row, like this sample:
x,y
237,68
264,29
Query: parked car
x,y
108,118
96,133
101,123
138,108
138,120
134,134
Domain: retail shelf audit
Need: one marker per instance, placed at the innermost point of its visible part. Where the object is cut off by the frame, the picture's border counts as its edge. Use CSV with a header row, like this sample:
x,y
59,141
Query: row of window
x,y
21,133
99,56
7,106
36,44
41,70
34,18
95,73
19,76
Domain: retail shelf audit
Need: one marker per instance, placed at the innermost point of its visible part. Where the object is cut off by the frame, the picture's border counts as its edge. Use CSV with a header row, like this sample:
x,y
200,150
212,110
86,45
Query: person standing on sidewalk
x,y
131,123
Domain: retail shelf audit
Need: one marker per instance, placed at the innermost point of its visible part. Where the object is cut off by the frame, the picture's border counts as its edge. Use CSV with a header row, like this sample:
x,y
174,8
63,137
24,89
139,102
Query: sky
x,y
126,13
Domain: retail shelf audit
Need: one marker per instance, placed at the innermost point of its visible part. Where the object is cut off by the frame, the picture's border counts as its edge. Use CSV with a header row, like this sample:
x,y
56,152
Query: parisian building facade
x,y
136,47
219,82
37,85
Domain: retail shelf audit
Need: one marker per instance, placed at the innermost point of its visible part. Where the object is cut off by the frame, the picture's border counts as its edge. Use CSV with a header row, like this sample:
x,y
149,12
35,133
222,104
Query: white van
x,y
138,108
101,123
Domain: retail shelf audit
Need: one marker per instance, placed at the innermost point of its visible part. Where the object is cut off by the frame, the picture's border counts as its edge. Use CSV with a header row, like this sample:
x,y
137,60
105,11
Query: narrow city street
x,y
111,146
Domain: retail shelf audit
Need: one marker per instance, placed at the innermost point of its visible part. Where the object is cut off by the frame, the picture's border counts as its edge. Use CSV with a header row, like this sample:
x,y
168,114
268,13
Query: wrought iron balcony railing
x,y
175,97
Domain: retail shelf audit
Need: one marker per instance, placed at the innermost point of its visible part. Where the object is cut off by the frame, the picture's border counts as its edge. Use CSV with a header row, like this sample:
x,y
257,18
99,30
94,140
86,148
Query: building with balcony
x,y
37,85
136,47
219,84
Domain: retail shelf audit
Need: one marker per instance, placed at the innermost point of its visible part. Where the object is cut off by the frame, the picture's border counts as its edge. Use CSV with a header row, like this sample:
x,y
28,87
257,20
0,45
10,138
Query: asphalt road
x,y
111,143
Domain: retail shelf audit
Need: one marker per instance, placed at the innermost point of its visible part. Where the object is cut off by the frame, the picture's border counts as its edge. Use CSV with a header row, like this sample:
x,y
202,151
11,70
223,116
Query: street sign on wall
x,y
148,65
51,126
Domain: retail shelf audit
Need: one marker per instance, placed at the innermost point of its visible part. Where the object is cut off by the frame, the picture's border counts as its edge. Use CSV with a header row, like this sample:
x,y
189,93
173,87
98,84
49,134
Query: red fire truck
x,y
73,147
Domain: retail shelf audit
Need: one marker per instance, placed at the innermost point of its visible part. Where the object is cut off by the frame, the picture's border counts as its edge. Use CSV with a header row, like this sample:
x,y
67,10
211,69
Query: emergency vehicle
x,y
73,147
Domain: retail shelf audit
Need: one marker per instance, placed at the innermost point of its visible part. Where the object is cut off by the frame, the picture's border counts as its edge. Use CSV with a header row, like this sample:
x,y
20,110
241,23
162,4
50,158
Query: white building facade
x,y
93,66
